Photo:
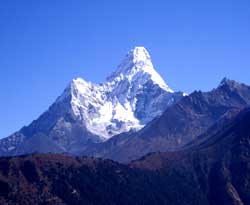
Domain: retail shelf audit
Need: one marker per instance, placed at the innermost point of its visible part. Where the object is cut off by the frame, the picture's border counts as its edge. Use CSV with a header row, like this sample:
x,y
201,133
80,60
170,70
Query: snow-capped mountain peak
x,y
136,65
87,113
130,98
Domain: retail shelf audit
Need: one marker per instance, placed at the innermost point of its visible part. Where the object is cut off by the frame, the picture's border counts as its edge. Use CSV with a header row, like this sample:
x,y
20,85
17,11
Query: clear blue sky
x,y
46,43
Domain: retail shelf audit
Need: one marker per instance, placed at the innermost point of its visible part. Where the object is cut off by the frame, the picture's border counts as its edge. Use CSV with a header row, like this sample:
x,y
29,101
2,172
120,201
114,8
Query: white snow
x,y
109,108
138,61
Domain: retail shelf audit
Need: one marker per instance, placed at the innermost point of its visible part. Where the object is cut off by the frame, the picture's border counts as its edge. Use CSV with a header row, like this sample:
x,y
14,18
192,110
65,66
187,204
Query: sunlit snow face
x,y
138,61
129,99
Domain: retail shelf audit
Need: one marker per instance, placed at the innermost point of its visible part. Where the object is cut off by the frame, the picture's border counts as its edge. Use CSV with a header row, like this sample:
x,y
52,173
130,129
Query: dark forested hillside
x,y
216,171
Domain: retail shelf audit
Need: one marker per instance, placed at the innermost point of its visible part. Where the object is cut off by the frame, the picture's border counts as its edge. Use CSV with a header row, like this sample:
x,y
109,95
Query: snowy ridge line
x,y
128,100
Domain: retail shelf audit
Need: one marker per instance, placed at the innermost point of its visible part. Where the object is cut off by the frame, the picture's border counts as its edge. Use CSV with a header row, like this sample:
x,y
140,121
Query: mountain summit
x,y
131,97
137,65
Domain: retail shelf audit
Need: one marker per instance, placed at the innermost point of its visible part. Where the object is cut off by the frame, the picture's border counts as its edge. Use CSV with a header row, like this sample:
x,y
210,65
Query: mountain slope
x,y
87,113
179,124
212,173
220,163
